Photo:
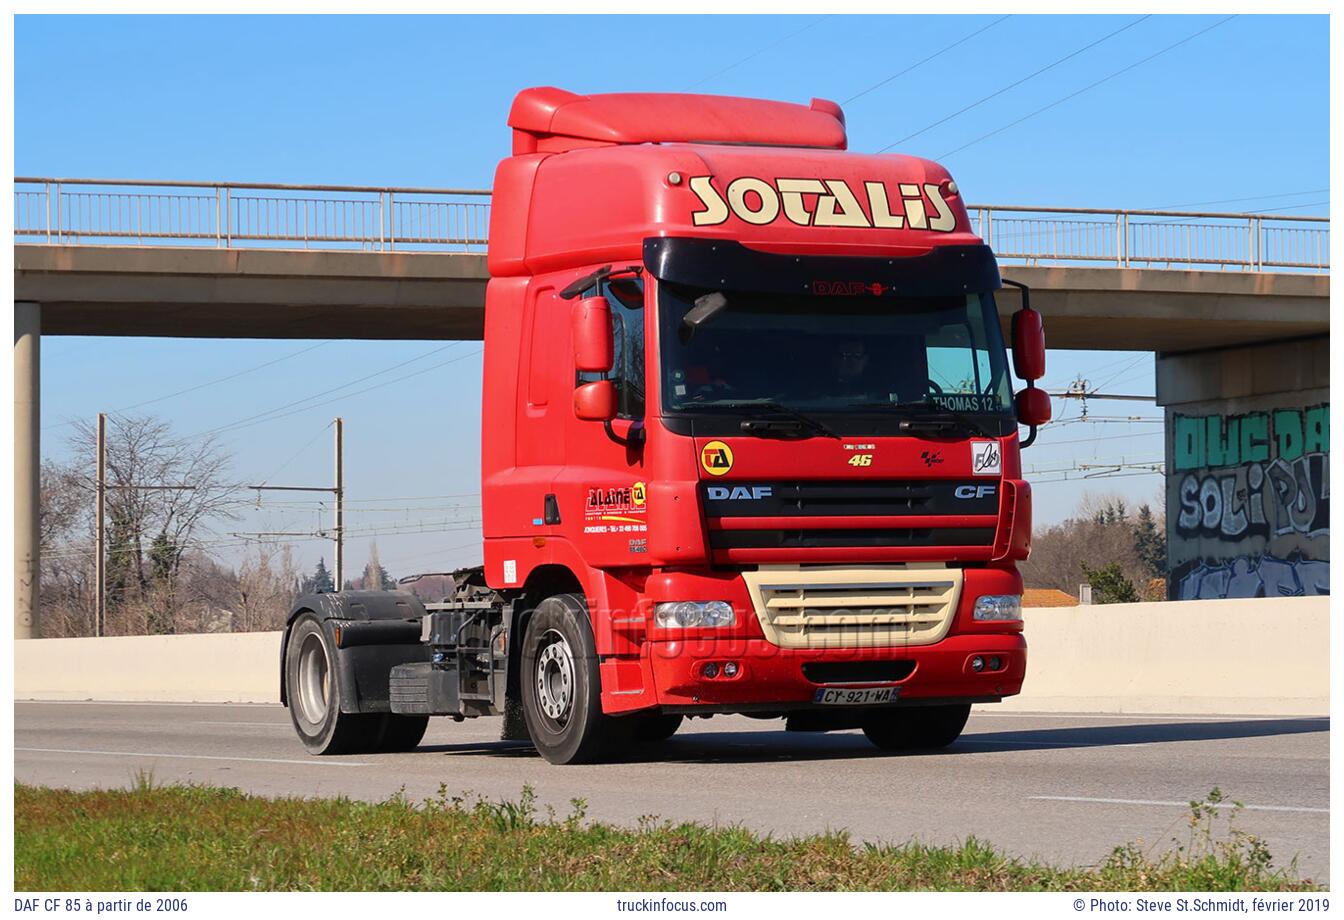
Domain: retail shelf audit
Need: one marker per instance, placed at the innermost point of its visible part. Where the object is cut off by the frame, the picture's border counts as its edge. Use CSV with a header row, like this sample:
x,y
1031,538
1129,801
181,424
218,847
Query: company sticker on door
x,y
986,458
619,509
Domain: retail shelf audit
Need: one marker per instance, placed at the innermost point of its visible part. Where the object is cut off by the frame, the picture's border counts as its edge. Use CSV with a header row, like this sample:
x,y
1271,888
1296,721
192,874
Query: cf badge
x,y
716,457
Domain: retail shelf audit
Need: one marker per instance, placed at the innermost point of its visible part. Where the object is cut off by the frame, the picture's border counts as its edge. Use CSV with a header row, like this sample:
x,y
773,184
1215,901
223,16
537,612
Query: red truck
x,y
750,445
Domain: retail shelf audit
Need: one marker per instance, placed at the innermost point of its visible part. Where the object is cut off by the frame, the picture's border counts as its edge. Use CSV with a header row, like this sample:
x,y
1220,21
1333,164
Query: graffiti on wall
x,y
1249,504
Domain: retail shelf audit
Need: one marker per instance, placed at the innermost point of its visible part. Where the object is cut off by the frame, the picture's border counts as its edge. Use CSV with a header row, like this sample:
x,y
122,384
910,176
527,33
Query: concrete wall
x,y
1248,470
1248,657
210,668
1254,657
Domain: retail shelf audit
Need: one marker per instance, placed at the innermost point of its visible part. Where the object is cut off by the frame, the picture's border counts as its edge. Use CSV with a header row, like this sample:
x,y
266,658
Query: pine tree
x,y
1150,544
1109,585
320,582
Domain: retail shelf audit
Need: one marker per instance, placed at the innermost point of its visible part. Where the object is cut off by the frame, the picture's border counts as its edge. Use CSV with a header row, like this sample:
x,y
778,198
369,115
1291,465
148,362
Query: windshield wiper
x,y
930,415
796,418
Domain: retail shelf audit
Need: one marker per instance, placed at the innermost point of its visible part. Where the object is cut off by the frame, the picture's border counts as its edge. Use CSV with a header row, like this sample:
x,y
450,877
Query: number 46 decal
x,y
860,460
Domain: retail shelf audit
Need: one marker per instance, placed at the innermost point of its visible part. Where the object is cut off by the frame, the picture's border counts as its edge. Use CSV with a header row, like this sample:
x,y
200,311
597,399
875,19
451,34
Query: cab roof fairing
x,y
598,204
549,119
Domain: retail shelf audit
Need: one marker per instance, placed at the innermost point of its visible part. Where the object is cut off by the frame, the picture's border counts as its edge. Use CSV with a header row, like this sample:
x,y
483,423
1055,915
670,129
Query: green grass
x,y
196,838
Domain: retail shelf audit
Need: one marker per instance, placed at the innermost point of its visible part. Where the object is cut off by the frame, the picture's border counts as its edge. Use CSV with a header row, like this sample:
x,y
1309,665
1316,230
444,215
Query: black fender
x,y
372,632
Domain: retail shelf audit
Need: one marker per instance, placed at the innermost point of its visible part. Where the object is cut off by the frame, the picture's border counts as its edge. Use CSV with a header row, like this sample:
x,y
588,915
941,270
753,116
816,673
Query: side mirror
x,y
1033,406
1028,345
596,401
592,335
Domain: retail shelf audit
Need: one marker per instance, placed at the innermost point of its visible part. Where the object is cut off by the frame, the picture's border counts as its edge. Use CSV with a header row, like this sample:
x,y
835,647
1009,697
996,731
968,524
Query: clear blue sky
x,y
1240,112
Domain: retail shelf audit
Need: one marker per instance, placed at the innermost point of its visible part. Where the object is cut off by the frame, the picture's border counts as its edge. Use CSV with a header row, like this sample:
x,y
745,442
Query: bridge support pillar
x,y
1248,469
27,467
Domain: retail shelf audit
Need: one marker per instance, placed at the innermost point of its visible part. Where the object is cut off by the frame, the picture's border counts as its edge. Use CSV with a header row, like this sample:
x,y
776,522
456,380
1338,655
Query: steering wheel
x,y
934,388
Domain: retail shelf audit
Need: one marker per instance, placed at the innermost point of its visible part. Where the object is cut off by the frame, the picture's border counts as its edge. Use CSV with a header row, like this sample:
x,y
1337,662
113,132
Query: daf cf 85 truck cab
x,y
750,444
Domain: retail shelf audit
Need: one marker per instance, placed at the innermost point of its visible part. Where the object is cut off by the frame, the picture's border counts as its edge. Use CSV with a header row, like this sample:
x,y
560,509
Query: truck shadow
x,y
1138,733
773,746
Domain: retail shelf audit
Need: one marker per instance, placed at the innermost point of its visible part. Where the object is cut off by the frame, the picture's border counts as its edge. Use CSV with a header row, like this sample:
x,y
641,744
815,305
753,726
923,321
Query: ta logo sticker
x,y
638,494
986,458
716,457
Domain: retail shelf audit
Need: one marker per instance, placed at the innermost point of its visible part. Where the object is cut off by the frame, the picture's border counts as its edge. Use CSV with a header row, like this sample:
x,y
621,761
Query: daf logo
x,y
973,491
739,493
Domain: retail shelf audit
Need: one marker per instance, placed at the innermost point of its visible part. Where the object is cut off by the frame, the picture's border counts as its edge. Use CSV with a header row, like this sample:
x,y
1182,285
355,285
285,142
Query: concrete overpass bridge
x,y
1235,305
251,261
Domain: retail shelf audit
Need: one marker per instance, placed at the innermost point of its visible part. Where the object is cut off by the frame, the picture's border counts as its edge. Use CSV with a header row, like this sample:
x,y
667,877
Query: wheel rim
x,y
555,677
314,678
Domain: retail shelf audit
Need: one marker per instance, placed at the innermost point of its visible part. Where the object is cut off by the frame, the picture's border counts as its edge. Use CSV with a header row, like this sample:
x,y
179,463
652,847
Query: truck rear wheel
x,y
313,691
916,728
562,692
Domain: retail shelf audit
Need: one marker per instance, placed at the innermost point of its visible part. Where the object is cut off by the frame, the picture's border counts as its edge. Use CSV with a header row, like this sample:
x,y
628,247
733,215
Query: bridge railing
x,y
1155,239
248,215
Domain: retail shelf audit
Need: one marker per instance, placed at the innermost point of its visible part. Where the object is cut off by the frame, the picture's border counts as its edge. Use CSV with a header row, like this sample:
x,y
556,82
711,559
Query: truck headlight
x,y
688,614
998,607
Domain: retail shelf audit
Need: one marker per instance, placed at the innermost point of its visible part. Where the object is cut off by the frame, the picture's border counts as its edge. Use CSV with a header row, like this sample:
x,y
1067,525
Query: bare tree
x,y
151,530
265,588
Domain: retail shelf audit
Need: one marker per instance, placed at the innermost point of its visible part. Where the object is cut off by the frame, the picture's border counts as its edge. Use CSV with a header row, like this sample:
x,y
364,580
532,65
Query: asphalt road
x,y
1064,788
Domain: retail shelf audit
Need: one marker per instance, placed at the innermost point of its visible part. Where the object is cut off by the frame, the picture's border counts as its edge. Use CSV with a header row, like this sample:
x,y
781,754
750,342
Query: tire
x,y
313,691
401,733
656,728
917,728
561,688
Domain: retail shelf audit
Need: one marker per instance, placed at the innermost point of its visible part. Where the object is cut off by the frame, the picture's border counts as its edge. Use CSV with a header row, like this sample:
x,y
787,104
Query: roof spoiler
x,y
546,119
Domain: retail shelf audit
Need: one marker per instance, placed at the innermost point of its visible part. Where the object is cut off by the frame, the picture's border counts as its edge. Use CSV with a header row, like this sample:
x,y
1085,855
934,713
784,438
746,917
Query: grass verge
x,y
197,838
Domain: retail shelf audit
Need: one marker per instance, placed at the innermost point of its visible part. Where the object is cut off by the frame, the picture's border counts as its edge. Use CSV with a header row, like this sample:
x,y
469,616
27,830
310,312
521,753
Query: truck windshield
x,y
833,354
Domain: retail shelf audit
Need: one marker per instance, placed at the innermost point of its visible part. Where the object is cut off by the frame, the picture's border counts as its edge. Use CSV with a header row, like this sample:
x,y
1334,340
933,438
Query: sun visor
x,y
716,264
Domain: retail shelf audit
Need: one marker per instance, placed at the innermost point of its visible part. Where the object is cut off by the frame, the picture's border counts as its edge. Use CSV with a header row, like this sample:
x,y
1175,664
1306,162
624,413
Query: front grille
x,y
742,516
847,497
857,672
854,607
774,538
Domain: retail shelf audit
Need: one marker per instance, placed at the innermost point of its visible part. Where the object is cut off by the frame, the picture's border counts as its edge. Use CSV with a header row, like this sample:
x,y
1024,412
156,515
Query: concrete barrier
x,y
1267,656
1261,656
207,668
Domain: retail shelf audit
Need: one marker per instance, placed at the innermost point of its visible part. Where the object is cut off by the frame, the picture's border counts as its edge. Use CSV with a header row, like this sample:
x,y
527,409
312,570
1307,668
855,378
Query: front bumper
x,y
772,678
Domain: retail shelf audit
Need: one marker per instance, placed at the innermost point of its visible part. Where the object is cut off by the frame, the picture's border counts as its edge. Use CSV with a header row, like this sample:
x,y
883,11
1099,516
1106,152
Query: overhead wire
x,y
263,416
201,386
923,61
1089,87
1196,204
1016,83
321,431
755,54
370,389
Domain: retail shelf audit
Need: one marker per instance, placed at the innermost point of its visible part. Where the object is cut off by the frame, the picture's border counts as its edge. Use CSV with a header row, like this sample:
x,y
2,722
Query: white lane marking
x,y
313,762
223,705
1143,717
1080,798
971,739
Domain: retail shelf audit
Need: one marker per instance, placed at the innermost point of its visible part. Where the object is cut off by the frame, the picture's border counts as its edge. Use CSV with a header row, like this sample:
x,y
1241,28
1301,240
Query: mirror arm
x,y
1030,438
1026,292
635,438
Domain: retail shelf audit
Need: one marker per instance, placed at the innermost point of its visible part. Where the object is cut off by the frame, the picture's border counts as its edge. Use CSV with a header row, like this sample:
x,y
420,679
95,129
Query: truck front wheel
x,y
916,728
562,693
313,690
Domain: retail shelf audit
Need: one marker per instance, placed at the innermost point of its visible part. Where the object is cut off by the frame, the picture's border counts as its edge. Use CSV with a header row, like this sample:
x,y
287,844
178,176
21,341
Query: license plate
x,y
855,697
